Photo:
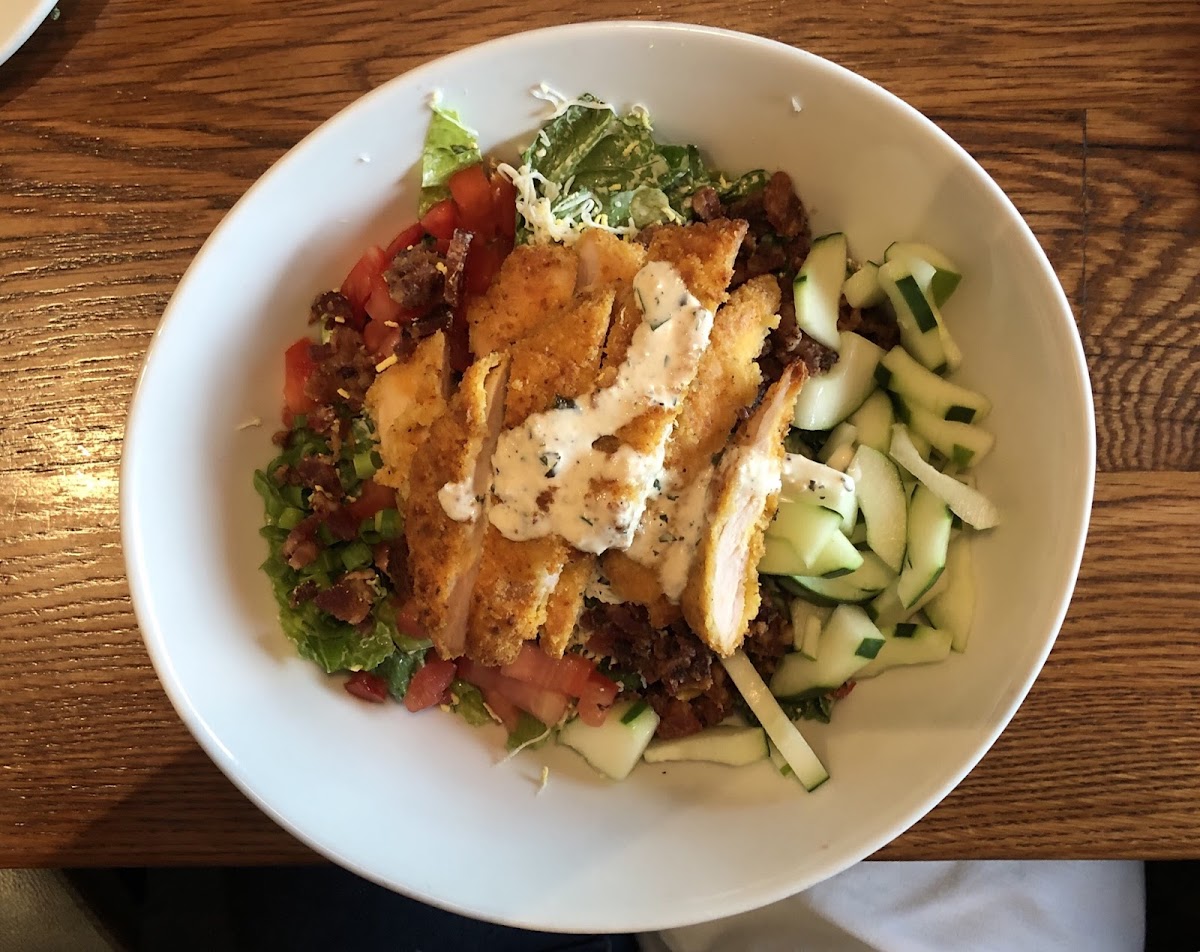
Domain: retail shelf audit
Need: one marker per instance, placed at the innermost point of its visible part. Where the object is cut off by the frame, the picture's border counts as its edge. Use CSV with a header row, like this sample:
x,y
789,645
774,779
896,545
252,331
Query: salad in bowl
x,y
606,447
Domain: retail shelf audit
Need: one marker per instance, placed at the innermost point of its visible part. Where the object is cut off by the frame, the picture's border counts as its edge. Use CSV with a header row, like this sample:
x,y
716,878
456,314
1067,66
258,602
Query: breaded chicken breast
x,y
534,282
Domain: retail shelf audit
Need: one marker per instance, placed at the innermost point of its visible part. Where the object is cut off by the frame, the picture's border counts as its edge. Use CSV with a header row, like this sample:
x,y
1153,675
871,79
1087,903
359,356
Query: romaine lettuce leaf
x,y
449,147
467,700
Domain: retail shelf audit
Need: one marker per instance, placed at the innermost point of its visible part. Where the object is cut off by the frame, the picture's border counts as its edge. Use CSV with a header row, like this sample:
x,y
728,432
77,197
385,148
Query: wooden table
x,y
129,127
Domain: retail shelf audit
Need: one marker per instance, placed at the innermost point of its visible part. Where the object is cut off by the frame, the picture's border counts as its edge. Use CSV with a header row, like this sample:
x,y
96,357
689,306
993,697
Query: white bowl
x,y
419,803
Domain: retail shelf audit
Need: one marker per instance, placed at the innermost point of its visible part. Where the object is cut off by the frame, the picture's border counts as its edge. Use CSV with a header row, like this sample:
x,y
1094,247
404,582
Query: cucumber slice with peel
x,y
782,557
861,585
615,747
818,291
843,436
806,528
883,504
918,317
963,444
829,398
966,502
862,288
808,481
953,608
848,641
929,524
723,744
900,373
783,733
907,644
807,621
945,276
887,609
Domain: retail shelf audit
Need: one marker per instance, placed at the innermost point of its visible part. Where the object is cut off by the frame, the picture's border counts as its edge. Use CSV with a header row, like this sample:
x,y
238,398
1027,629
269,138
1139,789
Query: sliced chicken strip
x,y
556,362
403,402
534,282
445,517
566,603
722,592
726,383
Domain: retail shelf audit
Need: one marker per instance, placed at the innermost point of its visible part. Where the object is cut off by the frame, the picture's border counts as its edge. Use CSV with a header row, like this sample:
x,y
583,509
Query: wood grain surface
x,y
129,127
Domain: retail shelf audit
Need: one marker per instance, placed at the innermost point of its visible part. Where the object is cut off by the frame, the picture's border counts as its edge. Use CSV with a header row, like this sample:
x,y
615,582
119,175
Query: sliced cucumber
x,y
782,557
839,558
807,621
887,609
963,444
883,504
871,578
848,641
843,436
918,317
862,288
907,644
929,523
723,744
780,762
615,747
945,276
903,375
873,421
964,501
858,535
806,528
814,483
828,399
791,743
954,607
818,291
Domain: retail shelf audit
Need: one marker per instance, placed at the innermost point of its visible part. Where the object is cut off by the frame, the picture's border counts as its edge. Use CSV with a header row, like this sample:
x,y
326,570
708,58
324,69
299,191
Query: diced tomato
x,y
408,623
406,239
379,305
569,674
843,690
298,367
597,697
547,706
372,498
363,279
369,687
504,207
472,193
380,339
441,220
503,708
483,263
429,684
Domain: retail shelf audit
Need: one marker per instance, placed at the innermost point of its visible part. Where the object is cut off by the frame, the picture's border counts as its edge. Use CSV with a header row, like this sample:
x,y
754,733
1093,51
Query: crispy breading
x,y
403,402
534,282
726,382
560,358
722,592
444,554
566,603
606,261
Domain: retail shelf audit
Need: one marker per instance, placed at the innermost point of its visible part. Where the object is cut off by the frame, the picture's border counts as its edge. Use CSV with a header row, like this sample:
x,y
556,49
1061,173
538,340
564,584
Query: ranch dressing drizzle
x,y
548,476
670,529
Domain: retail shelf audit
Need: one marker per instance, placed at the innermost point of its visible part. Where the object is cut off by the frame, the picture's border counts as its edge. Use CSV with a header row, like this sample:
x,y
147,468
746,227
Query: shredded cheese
x,y
561,103
387,361
545,778
529,743
343,393
249,424
537,208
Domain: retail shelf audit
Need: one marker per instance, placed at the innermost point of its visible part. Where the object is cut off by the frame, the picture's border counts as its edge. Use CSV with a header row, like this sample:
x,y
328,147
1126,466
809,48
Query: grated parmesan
x,y
387,361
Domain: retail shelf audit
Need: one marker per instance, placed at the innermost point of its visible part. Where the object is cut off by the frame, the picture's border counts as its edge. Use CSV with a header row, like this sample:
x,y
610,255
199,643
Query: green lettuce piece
x,y
564,142
528,728
743,185
449,147
467,701
397,670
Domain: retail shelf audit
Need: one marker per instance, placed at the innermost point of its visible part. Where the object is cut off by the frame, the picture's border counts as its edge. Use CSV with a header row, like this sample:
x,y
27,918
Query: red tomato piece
x,y
569,674
441,220
429,684
298,367
380,339
363,278
372,498
408,623
547,706
843,690
472,193
380,306
367,686
503,708
483,263
597,697
405,240
504,207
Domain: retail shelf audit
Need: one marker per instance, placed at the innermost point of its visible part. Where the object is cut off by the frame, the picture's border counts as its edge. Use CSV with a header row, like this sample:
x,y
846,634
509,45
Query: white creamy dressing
x,y
547,470
670,529
459,500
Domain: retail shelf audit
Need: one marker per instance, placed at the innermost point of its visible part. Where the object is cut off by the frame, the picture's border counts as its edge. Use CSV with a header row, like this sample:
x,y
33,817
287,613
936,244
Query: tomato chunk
x,y
363,279
367,686
503,708
429,684
504,207
547,706
380,339
408,623
472,193
405,240
595,700
372,498
441,220
298,367
569,674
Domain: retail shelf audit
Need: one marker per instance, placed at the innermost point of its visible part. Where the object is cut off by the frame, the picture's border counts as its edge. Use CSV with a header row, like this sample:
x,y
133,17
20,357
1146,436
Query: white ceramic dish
x,y
418,802
18,20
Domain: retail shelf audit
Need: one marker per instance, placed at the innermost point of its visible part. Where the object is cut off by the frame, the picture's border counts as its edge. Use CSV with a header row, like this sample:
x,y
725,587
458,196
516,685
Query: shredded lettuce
x,y
450,146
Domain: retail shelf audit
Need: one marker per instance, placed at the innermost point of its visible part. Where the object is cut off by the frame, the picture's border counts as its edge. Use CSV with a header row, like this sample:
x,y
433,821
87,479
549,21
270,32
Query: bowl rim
x,y
152,632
